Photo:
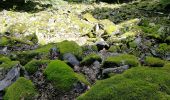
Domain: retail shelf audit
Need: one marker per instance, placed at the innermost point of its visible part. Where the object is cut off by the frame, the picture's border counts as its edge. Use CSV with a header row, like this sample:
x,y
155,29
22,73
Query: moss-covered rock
x,y
163,49
6,63
25,56
90,18
91,48
17,28
21,89
154,62
139,83
61,75
123,59
114,48
89,59
70,47
3,41
32,66
110,29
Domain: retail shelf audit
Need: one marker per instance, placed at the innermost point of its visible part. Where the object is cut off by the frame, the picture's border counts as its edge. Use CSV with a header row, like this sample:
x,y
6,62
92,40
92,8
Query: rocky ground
x,y
62,51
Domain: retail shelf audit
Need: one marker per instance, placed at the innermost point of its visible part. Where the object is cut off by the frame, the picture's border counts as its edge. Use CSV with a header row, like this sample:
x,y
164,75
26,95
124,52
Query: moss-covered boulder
x,y
123,59
90,18
138,83
114,48
109,27
32,66
70,47
163,49
154,62
17,28
89,59
40,53
61,75
22,89
3,41
6,63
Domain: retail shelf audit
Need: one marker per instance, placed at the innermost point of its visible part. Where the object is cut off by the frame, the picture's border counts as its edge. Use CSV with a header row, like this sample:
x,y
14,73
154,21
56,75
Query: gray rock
x,y
11,77
71,59
54,53
116,70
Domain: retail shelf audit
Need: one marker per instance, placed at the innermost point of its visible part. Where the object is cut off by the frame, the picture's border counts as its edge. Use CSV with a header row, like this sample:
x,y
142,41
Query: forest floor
x,y
35,34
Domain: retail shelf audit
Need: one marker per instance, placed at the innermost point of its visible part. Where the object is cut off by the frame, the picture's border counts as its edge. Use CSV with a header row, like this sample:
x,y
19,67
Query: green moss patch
x,y
32,66
60,75
6,63
123,59
89,59
90,18
154,62
21,89
26,56
139,83
114,48
70,47
3,41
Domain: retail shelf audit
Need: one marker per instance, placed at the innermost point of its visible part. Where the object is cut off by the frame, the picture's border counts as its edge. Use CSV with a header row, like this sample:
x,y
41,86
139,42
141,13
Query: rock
x,y
71,59
80,87
116,70
4,51
54,53
101,44
92,71
11,77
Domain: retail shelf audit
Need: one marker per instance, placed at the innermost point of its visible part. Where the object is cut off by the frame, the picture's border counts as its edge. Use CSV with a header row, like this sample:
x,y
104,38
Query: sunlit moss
x,y
21,89
140,83
123,59
154,62
90,18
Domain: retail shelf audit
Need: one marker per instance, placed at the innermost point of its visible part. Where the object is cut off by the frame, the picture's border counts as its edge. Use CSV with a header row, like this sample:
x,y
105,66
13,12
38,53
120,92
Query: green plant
x,y
89,59
154,62
123,59
21,89
138,83
60,75
70,47
33,65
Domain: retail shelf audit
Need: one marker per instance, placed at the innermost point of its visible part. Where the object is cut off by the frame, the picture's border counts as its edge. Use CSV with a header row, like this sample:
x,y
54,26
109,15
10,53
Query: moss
x,y
132,44
92,48
21,89
89,59
82,79
6,63
70,47
60,75
163,49
123,59
90,18
167,67
25,56
3,41
114,48
32,66
154,62
129,34
110,29
139,83
167,39
17,28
